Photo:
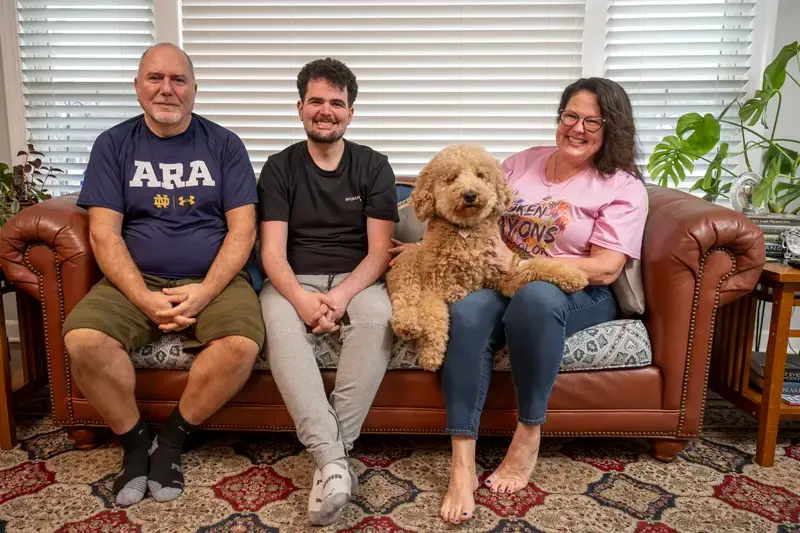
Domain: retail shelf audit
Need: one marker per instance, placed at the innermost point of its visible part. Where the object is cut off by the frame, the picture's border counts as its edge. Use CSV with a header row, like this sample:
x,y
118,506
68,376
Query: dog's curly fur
x,y
453,258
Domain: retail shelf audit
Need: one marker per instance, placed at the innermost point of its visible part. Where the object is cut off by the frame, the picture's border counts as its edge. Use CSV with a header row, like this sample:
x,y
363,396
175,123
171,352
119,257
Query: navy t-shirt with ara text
x,y
173,192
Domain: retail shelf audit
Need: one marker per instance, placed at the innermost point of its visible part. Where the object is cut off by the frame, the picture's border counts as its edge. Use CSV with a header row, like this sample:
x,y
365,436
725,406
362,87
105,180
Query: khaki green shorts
x,y
235,311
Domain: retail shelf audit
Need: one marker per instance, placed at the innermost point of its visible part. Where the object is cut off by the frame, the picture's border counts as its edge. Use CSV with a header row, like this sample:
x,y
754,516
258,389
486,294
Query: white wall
x,y
786,31
9,302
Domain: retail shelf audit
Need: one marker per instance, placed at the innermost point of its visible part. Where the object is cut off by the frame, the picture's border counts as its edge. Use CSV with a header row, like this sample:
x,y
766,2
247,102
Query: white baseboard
x,y
12,330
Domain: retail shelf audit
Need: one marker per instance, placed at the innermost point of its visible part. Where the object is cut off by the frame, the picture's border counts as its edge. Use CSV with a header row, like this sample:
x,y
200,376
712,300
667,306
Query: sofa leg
x,y
85,438
667,450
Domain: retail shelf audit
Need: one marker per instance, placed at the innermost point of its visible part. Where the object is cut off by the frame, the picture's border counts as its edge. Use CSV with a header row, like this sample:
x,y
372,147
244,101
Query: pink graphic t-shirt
x,y
567,218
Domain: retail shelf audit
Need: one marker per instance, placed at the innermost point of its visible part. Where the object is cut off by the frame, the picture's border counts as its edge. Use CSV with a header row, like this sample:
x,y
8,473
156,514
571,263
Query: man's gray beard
x,y
319,139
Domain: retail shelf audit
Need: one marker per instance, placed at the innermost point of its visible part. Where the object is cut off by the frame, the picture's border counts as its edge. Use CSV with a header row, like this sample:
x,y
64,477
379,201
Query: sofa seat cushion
x,y
615,344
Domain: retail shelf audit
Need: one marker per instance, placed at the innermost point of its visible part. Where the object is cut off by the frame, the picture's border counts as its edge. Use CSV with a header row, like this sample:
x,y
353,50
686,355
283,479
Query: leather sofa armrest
x,y
45,250
49,242
696,257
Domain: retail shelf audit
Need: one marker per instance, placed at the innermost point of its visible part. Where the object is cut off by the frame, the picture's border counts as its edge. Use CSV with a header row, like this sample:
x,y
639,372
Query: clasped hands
x,y
175,308
321,312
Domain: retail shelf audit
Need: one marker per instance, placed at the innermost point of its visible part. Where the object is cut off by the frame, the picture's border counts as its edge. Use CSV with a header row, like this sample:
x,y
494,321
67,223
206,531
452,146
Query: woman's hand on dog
x,y
500,255
397,249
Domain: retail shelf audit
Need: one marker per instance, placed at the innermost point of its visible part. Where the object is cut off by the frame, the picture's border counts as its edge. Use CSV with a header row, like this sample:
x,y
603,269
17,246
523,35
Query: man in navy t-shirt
x,y
172,222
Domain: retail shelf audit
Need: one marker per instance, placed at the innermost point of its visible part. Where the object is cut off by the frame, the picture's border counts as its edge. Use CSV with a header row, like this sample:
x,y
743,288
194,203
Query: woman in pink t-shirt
x,y
582,202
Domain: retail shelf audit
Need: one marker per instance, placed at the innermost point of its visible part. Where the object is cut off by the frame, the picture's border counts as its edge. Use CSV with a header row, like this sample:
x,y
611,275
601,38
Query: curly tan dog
x,y
462,194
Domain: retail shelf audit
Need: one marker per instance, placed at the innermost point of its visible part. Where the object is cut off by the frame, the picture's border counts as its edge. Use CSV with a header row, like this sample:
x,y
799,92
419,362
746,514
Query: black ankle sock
x,y
131,484
166,477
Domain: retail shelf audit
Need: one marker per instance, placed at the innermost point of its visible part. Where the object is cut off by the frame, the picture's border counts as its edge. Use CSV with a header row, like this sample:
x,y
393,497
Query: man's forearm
x,y
366,273
230,259
281,275
115,262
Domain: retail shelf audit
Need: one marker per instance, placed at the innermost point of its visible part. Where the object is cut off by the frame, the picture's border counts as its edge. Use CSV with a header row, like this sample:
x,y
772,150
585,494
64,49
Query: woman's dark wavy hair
x,y
620,148
331,70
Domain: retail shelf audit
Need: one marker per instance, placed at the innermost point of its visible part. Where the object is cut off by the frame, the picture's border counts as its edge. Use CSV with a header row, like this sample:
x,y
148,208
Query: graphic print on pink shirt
x,y
529,230
567,218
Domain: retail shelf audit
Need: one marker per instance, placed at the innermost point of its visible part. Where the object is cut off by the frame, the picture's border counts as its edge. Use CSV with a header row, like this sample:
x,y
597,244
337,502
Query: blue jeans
x,y
534,323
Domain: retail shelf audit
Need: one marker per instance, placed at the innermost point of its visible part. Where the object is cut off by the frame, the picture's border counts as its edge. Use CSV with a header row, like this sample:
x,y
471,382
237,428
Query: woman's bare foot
x,y
515,471
459,502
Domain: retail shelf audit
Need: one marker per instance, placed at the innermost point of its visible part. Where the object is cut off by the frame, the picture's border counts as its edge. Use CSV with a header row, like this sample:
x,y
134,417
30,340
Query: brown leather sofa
x,y
696,257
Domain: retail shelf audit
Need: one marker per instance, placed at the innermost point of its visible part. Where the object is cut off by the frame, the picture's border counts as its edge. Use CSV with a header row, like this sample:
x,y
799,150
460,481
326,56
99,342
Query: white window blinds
x,y
679,56
78,64
430,72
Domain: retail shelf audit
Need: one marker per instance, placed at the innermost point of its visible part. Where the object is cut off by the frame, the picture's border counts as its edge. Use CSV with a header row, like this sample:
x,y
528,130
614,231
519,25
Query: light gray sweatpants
x,y
327,428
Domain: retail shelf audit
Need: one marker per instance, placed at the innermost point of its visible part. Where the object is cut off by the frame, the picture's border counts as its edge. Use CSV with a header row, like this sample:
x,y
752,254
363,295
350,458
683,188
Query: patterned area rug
x,y
259,482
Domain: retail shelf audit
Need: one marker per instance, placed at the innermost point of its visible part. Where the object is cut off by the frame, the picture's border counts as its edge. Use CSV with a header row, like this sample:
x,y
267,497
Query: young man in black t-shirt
x,y
327,212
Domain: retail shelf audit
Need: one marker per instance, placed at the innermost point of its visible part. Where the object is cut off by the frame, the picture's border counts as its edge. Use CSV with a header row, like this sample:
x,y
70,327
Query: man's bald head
x,y
160,46
166,88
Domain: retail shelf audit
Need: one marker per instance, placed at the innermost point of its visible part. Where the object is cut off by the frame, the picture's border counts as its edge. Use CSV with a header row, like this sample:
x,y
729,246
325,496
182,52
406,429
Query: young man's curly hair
x,y
331,70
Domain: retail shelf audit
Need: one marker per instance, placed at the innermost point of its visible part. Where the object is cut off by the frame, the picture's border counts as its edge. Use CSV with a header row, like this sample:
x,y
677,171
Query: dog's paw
x,y
573,282
429,363
430,366
407,329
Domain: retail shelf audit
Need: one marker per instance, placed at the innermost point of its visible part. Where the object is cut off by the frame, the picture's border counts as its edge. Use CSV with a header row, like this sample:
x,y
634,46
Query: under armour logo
x,y
182,201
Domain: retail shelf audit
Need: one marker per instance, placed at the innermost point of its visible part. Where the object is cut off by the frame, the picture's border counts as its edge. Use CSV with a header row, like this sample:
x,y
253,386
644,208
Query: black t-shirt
x,y
327,210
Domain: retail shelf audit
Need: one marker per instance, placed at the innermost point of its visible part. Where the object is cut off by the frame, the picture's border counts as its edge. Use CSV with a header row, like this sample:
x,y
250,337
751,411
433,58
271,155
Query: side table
x,y
8,426
731,354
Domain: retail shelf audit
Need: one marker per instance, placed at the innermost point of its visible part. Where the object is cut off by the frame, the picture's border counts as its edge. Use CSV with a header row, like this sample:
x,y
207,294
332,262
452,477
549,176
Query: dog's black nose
x,y
470,197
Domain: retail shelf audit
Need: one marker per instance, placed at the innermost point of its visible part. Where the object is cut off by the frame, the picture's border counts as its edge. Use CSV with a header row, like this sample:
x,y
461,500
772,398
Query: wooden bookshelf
x,y
729,374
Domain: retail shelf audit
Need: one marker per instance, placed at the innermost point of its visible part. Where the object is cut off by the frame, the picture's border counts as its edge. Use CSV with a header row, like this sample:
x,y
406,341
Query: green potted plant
x,y
24,184
697,135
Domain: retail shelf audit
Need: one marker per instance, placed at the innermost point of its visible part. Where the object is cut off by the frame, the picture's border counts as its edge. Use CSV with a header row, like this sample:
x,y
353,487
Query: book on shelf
x,y
791,373
791,399
776,219
789,387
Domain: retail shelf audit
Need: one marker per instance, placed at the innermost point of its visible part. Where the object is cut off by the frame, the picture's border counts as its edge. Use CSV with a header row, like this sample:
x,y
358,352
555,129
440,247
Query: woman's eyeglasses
x,y
590,124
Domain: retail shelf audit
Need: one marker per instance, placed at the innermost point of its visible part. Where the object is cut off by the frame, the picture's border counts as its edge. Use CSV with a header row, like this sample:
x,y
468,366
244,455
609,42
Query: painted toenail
x,y
465,514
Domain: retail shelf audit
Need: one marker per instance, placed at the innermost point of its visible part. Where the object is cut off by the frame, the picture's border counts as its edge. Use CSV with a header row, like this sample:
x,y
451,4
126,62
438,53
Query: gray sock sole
x,y
333,506
163,494
133,491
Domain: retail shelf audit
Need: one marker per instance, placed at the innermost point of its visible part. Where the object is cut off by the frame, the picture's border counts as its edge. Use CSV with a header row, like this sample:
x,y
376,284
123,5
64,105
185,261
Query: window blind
x,y
78,64
430,72
679,56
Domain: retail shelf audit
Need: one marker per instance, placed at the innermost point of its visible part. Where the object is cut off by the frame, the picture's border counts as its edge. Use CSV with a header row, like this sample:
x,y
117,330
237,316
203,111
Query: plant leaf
x,y
775,73
705,132
22,152
754,108
786,165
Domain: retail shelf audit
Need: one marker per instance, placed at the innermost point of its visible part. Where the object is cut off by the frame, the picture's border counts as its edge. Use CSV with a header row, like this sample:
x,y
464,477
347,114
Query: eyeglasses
x,y
590,124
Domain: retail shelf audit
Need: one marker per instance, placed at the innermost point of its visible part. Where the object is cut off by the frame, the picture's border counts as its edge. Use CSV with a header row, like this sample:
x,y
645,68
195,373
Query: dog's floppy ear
x,y
421,198
505,195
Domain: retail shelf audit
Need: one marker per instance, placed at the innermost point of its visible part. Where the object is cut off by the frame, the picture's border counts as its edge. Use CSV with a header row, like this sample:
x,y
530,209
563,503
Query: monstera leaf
x,y
674,157
669,162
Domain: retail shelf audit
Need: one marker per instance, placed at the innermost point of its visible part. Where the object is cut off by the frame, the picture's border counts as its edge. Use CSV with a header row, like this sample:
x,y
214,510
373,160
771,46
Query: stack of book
x,y
791,376
773,224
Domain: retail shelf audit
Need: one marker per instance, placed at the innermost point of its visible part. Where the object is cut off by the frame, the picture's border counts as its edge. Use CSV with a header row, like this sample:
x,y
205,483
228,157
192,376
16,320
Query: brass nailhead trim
x,y
40,278
422,431
692,324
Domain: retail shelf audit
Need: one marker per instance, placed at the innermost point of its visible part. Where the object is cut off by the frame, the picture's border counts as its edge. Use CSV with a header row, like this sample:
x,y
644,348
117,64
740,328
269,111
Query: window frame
x,y
168,18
